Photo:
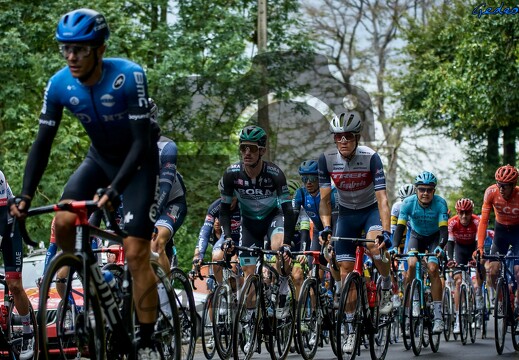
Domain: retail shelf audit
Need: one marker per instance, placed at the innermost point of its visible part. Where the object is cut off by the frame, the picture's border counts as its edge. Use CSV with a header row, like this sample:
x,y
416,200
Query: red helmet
x,y
464,205
507,174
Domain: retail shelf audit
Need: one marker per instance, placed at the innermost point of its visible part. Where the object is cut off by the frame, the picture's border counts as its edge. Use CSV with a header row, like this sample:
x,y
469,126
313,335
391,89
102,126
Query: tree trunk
x,y
509,137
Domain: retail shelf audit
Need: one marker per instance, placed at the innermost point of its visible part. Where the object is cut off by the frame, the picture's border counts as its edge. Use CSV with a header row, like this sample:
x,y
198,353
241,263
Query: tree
x,y
460,79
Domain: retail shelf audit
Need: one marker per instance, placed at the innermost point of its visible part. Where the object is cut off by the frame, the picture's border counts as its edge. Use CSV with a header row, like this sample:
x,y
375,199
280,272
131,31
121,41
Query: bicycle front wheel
x,y
350,318
284,324
245,331
501,306
473,314
222,320
405,320
308,328
463,312
416,318
447,313
86,328
186,311
15,334
208,345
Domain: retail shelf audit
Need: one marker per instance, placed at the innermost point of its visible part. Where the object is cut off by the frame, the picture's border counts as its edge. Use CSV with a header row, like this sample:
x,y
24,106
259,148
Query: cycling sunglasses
x,y
253,149
310,178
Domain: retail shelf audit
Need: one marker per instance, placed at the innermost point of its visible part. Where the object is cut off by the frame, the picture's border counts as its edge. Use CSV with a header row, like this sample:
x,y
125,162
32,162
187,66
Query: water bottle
x,y
110,280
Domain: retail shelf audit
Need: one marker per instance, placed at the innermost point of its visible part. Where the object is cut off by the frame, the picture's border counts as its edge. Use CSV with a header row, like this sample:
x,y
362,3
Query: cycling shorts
x,y
424,244
13,253
504,237
173,216
463,253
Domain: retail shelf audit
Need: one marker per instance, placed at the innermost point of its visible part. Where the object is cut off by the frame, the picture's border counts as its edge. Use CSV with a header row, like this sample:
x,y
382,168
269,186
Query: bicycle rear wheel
x,y
473,313
86,329
379,340
245,332
501,306
186,310
447,313
223,320
350,318
208,345
308,328
484,312
416,319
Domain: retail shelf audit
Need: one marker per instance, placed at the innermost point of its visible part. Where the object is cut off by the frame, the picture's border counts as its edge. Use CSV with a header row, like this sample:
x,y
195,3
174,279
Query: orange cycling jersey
x,y
506,211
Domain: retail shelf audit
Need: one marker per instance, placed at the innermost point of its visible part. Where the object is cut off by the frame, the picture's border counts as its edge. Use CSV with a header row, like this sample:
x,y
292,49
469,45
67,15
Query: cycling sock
x,y
163,299
437,309
145,333
283,285
26,323
386,283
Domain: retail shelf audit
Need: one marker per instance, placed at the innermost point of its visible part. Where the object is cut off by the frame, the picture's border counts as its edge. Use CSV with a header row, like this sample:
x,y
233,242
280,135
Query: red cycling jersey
x,y
463,235
506,211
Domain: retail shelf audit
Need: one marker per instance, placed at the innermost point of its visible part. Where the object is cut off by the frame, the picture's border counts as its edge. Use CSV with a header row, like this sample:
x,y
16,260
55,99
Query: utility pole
x,y
263,109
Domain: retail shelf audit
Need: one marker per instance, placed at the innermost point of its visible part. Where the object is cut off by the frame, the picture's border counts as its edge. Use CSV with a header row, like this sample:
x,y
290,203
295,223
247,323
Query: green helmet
x,y
255,134
293,185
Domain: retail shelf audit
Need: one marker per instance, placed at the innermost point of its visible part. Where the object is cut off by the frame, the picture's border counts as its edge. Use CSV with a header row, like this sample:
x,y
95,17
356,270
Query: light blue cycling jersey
x,y
424,221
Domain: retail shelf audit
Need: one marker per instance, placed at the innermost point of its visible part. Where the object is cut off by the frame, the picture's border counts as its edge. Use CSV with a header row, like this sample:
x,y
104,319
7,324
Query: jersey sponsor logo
x,y
238,182
209,218
265,182
138,116
71,87
273,170
235,225
118,82
3,202
107,100
508,210
47,122
84,118
73,100
350,175
45,96
114,117
141,90
169,166
235,166
255,192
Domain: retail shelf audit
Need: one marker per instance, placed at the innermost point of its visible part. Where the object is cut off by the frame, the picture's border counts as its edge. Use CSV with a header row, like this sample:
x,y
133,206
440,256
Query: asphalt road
x,y
481,349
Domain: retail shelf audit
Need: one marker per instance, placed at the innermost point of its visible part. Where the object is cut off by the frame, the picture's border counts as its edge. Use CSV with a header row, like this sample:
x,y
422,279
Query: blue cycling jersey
x,y
424,221
311,203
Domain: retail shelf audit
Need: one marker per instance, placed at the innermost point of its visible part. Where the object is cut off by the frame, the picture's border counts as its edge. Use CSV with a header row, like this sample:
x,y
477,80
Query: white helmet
x,y
405,191
346,122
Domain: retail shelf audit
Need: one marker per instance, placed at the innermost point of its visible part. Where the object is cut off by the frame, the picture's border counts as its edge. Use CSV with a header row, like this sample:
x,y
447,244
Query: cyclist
x,y
211,229
503,198
427,214
463,229
12,252
358,175
171,205
265,205
109,98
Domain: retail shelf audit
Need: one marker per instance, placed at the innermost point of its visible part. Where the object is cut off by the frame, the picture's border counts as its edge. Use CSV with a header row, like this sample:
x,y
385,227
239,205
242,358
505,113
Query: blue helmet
x,y
308,167
426,178
82,25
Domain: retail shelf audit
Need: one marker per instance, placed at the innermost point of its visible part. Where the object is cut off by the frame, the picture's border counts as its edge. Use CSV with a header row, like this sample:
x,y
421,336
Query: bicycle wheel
x,y
350,318
14,331
284,324
308,328
433,340
245,331
208,345
223,306
447,313
484,312
501,306
416,319
379,340
167,332
514,330
86,330
473,330
186,311
463,313
405,323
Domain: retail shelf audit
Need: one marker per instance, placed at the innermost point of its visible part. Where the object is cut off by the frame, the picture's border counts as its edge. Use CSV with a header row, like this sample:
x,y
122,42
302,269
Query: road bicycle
x,y
315,310
418,312
466,304
504,315
483,314
11,337
260,315
358,312
101,313
448,314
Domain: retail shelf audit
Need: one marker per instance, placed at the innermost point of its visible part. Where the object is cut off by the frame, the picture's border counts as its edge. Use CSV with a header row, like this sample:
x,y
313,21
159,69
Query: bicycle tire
x,y
379,340
447,313
484,311
14,331
501,306
207,328
463,313
514,330
245,332
416,323
93,339
223,320
284,328
167,332
405,321
473,330
186,310
353,325
307,324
